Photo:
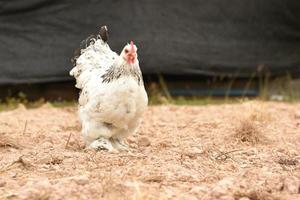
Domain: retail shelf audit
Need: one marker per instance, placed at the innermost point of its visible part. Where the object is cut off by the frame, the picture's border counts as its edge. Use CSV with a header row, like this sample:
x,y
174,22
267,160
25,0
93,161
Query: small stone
x,y
244,198
144,142
2,183
164,144
294,153
291,185
226,183
27,162
244,165
22,182
186,178
154,178
281,150
13,174
130,140
47,145
193,152
187,196
81,180
199,189
227,197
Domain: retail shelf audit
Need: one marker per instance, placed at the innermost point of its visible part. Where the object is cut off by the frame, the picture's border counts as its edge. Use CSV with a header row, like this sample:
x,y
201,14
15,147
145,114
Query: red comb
x,y
132,47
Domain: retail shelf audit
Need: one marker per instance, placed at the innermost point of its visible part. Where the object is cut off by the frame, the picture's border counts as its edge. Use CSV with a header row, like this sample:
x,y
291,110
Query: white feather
x,y
111,109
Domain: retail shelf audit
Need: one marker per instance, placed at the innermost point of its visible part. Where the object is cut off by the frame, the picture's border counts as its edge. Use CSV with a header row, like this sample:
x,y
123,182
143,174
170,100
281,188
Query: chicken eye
x,y
126,51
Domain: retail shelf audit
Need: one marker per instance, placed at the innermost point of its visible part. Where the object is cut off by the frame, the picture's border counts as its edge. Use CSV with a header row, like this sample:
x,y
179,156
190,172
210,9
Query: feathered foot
x,y
119,144
102,144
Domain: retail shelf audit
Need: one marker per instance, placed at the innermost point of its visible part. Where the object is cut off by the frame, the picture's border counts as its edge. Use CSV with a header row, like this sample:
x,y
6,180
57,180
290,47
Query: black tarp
x,y
193,37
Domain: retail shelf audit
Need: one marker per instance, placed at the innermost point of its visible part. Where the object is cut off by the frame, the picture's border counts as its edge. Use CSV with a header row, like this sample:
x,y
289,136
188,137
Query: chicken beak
x,y
132,53
131,58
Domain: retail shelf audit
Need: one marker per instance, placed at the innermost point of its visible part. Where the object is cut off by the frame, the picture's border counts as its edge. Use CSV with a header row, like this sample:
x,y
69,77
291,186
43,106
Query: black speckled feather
x,y
115,73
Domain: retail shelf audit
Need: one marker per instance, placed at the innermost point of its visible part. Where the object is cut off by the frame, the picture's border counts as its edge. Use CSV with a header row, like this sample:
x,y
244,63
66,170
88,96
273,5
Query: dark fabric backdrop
x,y
194,37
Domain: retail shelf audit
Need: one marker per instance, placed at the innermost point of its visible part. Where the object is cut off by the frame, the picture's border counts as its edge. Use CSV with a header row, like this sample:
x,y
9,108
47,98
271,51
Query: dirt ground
x,y
246,151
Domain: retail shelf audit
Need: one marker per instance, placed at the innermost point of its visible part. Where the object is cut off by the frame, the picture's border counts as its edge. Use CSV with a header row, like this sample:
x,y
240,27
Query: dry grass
x,y
252,124
250,131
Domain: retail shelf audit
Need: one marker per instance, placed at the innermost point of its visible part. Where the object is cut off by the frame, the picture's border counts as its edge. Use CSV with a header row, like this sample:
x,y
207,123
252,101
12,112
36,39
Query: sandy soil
x,y
231,152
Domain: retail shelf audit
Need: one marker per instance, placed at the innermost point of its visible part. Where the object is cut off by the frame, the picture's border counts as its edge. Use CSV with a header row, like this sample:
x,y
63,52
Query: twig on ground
x,y
219,157
66,146
19,160
25,126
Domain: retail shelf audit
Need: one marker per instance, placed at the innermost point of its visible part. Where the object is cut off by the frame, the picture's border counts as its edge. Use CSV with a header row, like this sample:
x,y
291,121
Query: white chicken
x,y
113,97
